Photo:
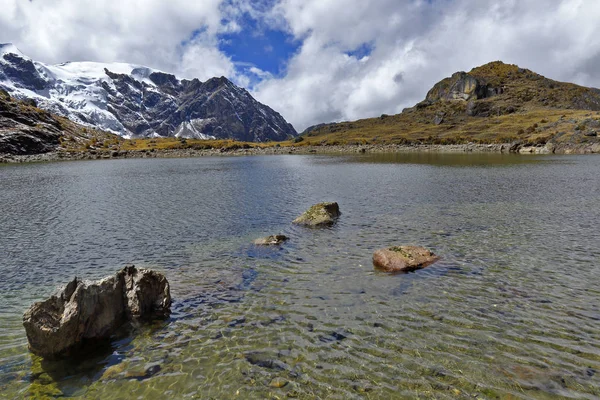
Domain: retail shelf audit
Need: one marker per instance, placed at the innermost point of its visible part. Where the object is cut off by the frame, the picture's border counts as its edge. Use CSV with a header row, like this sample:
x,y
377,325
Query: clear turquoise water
x,y
512,311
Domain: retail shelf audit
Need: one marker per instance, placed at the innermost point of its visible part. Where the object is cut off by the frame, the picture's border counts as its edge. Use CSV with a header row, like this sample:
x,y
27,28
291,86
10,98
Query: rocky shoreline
x,y
549,148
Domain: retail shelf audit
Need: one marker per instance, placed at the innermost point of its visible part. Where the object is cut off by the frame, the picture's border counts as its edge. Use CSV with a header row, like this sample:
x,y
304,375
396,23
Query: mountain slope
x,y
26,129
136,101
494,103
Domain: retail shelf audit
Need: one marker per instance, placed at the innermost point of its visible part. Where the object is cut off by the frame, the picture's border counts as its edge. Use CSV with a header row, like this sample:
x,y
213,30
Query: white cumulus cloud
x,y
416,43
356,58
177,36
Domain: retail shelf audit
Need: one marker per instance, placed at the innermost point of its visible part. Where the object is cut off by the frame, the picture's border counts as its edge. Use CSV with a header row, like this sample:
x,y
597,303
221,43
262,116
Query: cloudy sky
x,y
316,60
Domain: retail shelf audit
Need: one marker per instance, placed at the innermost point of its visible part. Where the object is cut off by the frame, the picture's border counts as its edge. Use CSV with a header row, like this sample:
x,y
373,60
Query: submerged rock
x,y
335,336
271,240
85,310
265,360
278,382
148,373
403,258
322,214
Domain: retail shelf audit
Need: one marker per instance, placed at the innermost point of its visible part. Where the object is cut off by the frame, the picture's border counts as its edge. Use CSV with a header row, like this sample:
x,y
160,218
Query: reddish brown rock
x,y
403,258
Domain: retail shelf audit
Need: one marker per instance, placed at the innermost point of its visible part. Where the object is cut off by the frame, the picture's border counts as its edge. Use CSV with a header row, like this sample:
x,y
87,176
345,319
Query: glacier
x,y
138,101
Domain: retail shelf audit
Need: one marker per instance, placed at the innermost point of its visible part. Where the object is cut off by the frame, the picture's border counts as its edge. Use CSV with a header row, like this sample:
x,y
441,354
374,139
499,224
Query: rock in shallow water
x,y
94,310
273,240
265,360
403,258
322,214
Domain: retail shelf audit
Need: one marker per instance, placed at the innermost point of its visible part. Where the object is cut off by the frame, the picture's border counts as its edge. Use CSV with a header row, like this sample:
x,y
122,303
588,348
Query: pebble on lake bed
x,y
278,383
403,258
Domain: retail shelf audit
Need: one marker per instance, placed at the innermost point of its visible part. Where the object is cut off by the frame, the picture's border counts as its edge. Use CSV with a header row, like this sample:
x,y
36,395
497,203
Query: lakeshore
x,y
242,150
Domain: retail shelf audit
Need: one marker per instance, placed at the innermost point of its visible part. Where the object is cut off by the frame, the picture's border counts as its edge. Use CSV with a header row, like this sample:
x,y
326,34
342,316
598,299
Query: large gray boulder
x,y
85,310
403,258
322,214
462,86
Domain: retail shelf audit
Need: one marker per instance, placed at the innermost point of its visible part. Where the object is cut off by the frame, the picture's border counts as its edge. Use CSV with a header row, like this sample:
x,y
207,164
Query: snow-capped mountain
x,y
137,101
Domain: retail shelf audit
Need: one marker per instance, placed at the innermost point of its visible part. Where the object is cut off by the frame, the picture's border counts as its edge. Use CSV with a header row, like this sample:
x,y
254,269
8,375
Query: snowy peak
x,y
138,101
19,69
90,70
9,48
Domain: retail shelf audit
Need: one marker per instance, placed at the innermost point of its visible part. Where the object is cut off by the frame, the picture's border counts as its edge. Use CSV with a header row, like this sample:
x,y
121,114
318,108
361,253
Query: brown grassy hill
x,y
494,103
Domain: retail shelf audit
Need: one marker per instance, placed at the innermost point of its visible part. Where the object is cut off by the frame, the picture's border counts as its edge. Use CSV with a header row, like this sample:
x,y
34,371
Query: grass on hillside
x,y
536,127
114,142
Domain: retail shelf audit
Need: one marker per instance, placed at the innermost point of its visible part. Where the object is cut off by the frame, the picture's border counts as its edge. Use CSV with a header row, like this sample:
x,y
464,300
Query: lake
x,y
512,310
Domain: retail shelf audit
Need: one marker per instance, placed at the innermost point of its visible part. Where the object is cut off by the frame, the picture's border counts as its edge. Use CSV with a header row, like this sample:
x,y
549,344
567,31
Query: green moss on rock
x,y
322,214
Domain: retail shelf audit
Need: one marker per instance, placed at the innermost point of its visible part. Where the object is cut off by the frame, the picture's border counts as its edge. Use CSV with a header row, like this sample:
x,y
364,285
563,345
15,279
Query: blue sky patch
x,y
261,47
364,50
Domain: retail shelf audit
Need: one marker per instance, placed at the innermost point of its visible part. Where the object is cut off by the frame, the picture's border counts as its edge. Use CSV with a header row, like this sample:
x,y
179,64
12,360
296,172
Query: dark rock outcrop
x,y
84,311
23,71
28,141
403,258
25,129
322,214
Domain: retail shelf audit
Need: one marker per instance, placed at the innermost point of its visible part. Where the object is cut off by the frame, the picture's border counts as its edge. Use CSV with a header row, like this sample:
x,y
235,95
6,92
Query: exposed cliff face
x,y
25,129
140,102
461,86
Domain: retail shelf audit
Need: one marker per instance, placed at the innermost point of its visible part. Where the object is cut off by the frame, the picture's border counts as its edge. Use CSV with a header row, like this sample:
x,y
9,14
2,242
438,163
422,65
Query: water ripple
x,y
511,310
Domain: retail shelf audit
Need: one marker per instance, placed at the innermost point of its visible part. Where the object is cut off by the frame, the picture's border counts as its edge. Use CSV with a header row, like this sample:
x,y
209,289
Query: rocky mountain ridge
x,y
135,101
